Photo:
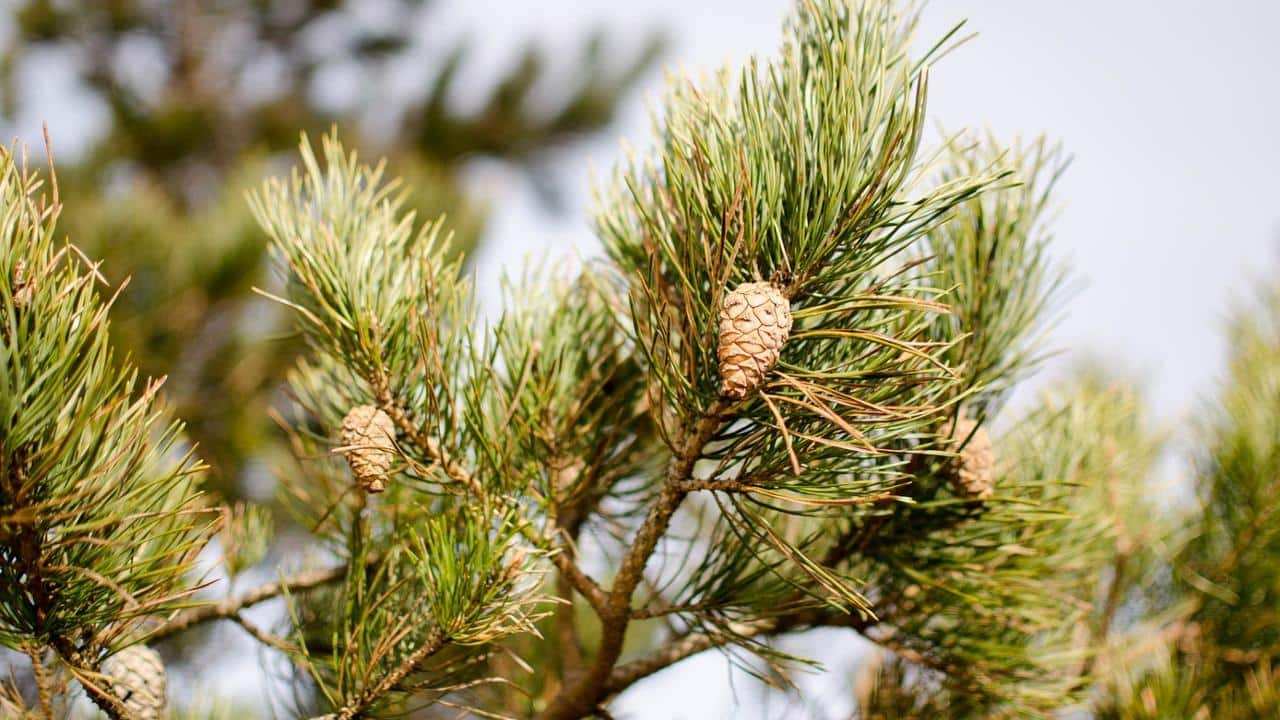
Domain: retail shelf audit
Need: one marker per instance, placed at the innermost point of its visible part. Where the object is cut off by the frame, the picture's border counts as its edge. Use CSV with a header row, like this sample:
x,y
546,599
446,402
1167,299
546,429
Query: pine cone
x,y
138,679
973,471
23,286
368,444
755,320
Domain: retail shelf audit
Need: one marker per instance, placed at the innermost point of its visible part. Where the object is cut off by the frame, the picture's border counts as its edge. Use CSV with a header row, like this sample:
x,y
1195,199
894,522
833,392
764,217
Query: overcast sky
x,y
1170,210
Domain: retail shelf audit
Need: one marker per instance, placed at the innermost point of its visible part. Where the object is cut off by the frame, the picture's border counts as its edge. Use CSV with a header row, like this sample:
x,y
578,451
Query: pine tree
x,y
778,403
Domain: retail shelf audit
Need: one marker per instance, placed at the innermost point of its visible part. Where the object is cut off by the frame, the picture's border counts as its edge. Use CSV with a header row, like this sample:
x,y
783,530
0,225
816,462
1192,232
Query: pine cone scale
x,y
368,439
138,678
755,321
972,472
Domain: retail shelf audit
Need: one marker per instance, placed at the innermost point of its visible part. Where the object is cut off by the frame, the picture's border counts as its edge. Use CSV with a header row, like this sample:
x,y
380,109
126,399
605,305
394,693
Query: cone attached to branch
x,y
755,320
973,470
368,439
138,679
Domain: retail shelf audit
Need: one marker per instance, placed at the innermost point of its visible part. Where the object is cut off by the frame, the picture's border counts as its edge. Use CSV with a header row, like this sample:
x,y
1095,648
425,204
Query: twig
x,y
627,674
433,644
261,635
425,442
43,690
659,612
1110,606
229,608
81,669
582,697
580,580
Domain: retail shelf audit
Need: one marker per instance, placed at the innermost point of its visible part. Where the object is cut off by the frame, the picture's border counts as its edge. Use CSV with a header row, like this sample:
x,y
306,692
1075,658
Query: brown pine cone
x,y
973,470
368,439
23,286
755,320
138,679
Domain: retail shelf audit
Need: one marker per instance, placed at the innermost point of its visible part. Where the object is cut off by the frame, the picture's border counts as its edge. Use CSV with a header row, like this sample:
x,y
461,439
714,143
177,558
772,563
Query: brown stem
x,y
1115,593
429,445
44,691
627,674
624,675
581,582
584,695
433,644
229,608
86,672
261,635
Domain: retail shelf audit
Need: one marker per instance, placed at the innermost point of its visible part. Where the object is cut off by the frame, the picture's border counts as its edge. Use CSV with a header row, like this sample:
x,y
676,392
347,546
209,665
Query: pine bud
x,y
368,444
23,287
138,679
755,320
972,472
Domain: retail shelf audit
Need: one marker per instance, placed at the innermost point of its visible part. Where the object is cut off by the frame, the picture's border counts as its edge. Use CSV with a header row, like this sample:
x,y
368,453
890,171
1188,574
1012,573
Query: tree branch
x,y
627,674
229,608
44,691
583,583
81,669
261,635
429,445
583,696
433,644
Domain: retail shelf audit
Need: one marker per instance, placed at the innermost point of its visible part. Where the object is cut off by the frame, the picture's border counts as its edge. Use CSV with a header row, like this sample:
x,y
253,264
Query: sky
x,y
1169,214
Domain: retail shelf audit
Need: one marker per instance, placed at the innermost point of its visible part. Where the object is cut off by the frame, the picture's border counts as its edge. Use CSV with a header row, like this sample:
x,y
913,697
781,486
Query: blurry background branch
x,y
201,94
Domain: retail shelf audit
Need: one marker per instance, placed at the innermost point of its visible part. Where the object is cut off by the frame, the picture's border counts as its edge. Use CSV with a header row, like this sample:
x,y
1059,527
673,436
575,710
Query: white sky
x,y
1171,109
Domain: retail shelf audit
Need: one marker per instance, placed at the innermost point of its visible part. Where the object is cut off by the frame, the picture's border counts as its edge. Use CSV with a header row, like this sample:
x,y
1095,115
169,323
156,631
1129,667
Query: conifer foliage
x,y
777,404
100,514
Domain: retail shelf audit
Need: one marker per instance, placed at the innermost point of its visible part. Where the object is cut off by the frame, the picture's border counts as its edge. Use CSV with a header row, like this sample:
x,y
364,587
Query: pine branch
x,y
104,519
262,636
584,584
44,691
629,673
230,608
80,667
434,643
427,444
579,698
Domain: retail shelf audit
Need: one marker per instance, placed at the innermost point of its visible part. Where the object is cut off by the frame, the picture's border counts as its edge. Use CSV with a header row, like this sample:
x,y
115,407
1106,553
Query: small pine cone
x,y
23,286
368,444
755,320
138,679
973,470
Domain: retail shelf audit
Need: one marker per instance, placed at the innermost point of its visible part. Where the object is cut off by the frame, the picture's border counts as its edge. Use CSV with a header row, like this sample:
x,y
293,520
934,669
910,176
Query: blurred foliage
x,y
245,537
200,95
194,83
1218,653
